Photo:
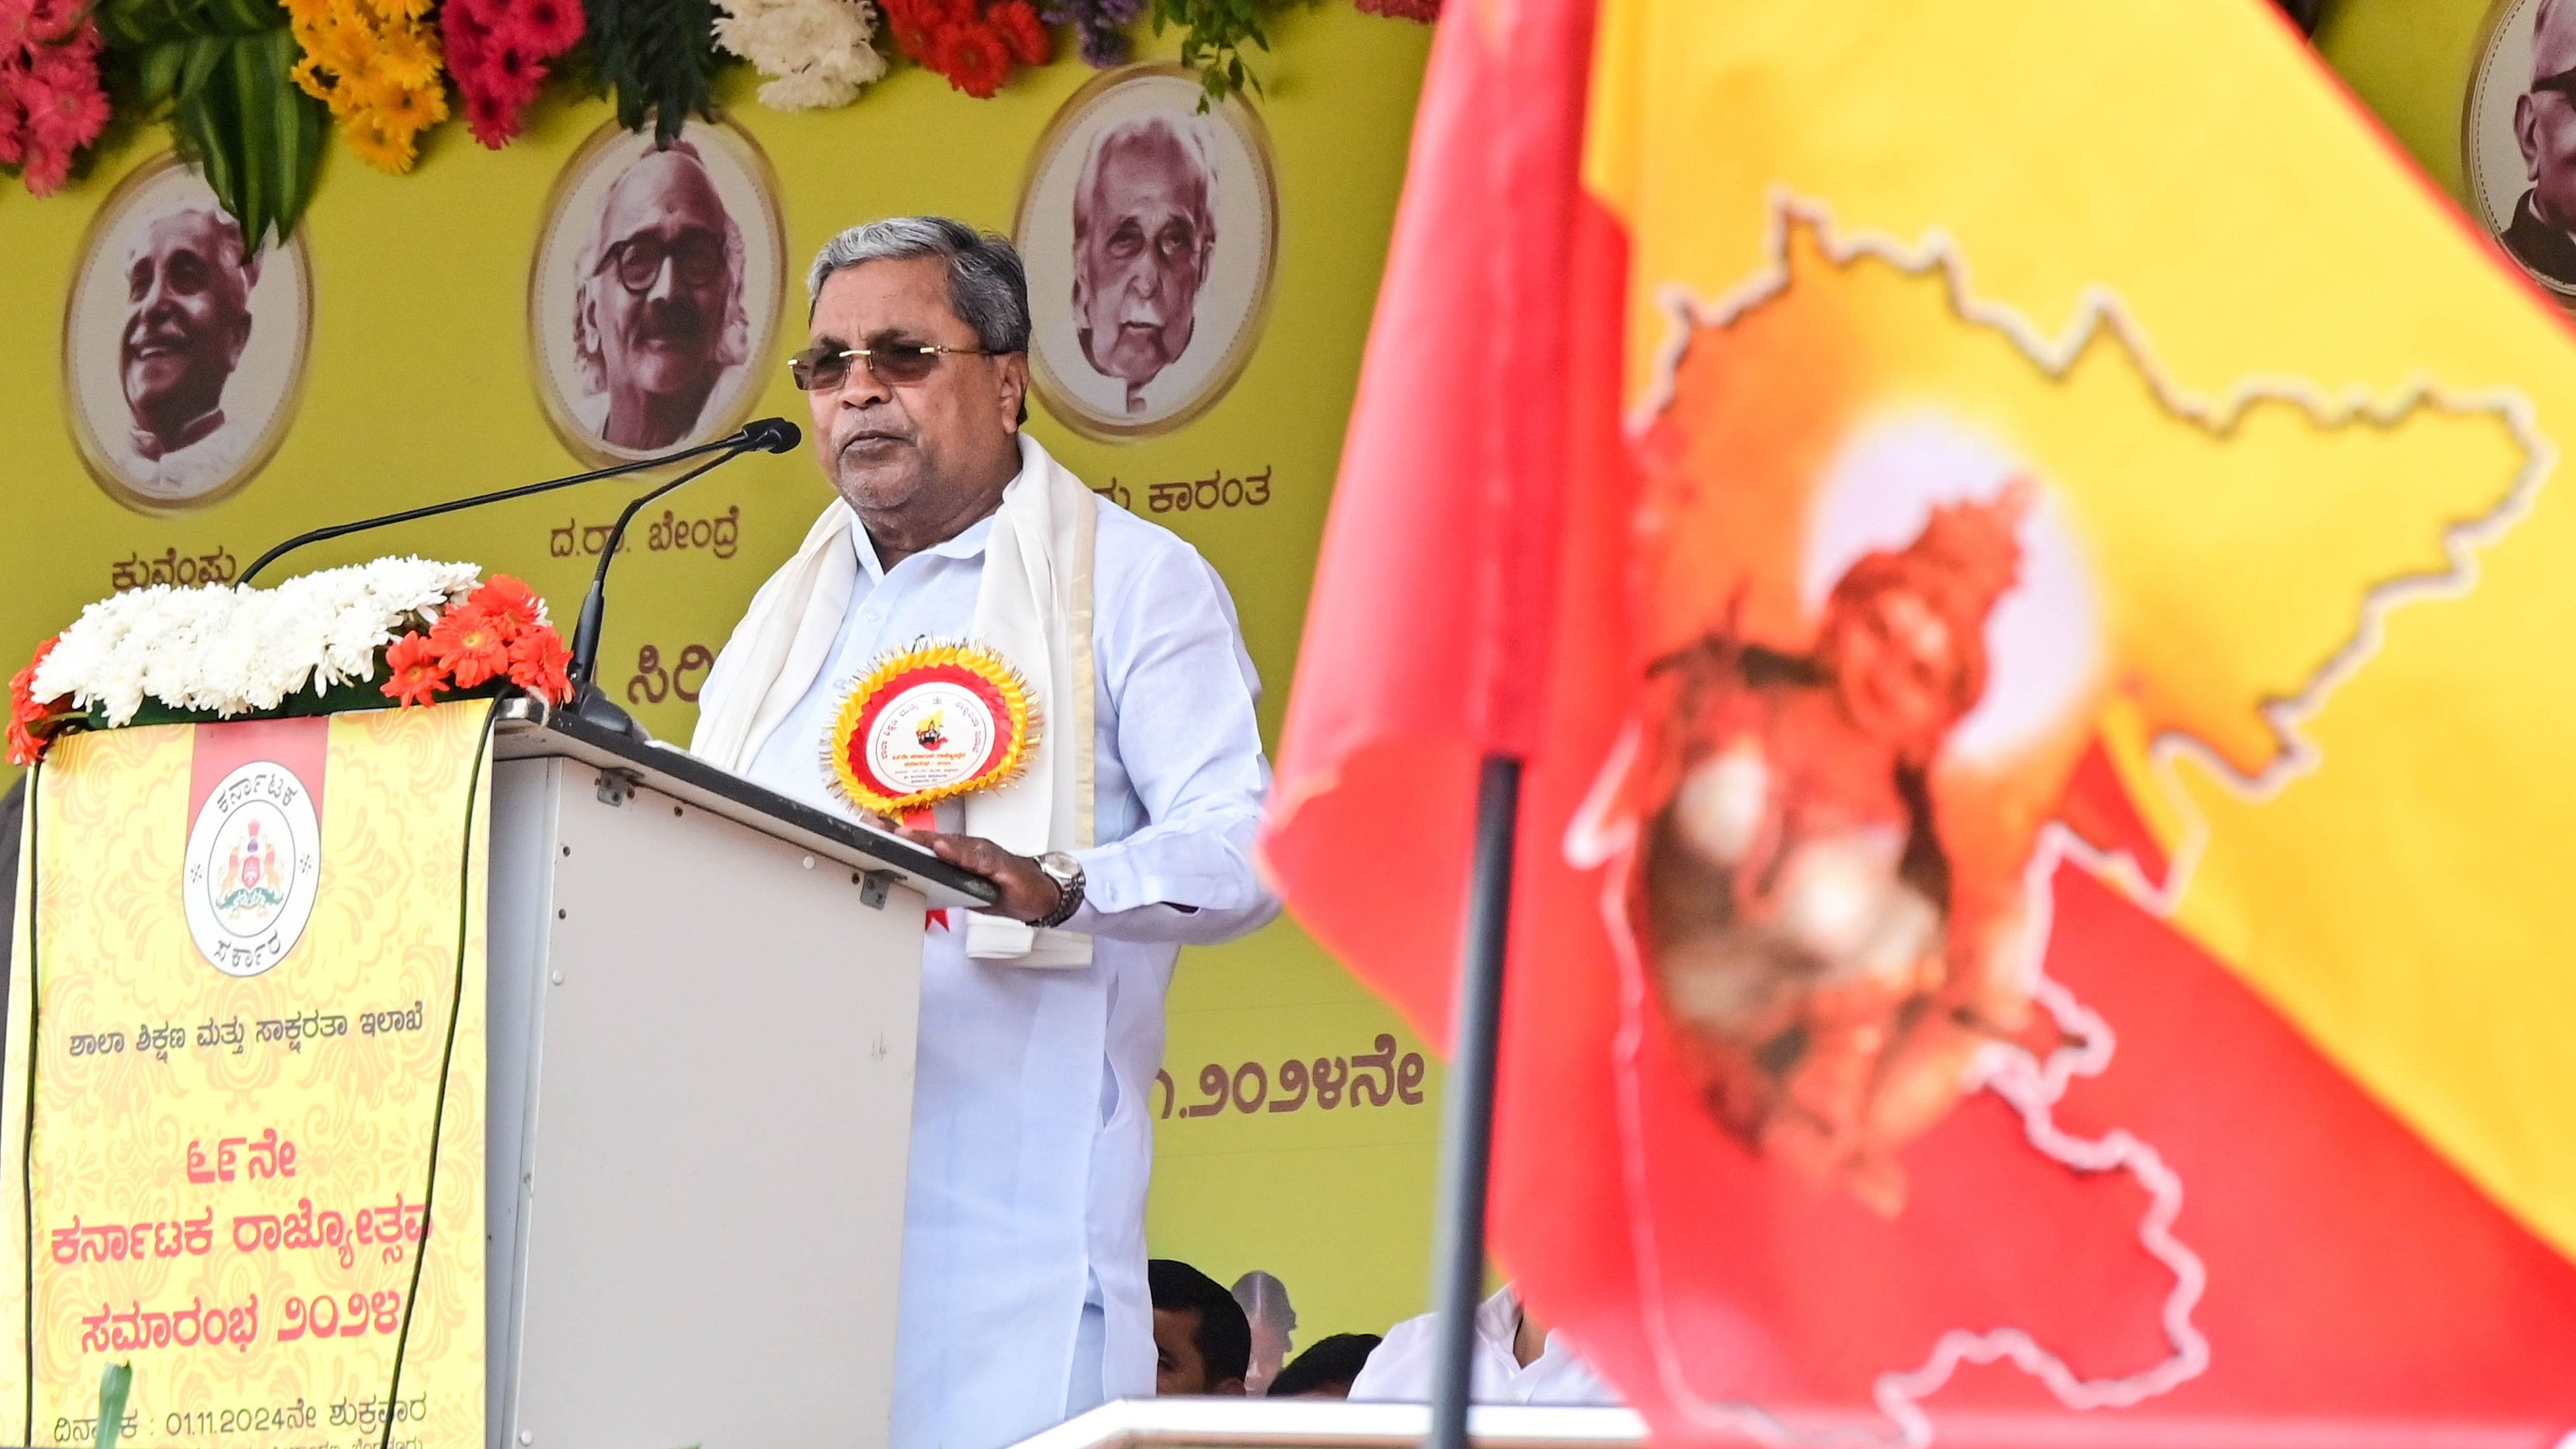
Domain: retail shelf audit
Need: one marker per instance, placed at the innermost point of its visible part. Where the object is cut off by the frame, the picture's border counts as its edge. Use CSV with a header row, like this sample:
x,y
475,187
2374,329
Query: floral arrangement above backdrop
x,y
314,643
253,88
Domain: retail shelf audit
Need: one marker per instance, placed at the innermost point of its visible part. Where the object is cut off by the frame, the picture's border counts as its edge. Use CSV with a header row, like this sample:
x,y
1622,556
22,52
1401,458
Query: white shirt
x,y
1031,1139
1401,1369
184,473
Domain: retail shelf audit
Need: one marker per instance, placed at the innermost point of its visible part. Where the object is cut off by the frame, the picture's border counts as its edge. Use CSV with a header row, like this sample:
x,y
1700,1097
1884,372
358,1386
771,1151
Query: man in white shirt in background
x,y
1024,1295
1517,1361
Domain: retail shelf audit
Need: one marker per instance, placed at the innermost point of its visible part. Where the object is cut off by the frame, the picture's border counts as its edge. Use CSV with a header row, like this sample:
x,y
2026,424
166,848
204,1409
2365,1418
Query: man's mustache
x,y
672,320
139,336
865,429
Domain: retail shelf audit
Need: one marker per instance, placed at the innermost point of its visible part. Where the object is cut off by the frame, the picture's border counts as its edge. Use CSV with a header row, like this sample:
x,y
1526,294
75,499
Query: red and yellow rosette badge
x,y
930,722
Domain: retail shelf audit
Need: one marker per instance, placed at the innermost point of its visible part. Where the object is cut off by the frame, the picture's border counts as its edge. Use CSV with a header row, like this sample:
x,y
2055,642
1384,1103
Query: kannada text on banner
x,y
246,948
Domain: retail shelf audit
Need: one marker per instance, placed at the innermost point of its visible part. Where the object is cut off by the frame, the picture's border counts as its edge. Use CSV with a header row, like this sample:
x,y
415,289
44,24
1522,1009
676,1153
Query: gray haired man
x,y
1024,1288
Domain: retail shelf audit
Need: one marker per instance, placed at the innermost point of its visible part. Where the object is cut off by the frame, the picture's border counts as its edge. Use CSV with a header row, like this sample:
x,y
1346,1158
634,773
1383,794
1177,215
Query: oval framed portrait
x,y
183,351
1150,230
2518,138
653,298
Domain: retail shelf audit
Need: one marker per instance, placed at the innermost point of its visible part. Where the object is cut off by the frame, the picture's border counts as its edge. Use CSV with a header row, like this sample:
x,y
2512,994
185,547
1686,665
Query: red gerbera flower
x,y
909,21
545,27
1016,21
973,57
26,747
537,664
492,120
412,670
469,646
510,604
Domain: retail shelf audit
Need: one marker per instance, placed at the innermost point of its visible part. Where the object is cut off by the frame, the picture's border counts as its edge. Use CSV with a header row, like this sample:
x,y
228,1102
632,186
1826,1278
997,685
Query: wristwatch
x,y
1066,872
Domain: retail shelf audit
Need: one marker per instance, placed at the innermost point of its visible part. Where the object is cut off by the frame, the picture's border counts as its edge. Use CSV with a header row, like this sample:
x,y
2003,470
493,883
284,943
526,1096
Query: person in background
x,y
1274,1327
1517,1362
1144,239
189,280
2543,231
659,323
1202,1342
1326,1370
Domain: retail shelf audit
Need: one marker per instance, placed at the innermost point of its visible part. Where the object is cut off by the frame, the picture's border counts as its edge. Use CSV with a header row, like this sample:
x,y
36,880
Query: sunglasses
x,y
824,368
697,256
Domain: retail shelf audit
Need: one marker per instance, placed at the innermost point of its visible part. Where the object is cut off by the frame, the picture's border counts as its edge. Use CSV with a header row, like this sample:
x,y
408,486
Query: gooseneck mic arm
x,y
751,437
768,435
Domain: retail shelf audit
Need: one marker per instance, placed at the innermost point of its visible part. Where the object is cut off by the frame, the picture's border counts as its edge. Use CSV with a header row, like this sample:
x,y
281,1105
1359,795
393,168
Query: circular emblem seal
x,y
254,869
927,723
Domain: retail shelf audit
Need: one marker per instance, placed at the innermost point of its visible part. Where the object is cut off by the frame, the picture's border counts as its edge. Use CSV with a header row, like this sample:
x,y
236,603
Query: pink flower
x,y
53,20
17,26
492,120
47,170
66,109
13,129
545,27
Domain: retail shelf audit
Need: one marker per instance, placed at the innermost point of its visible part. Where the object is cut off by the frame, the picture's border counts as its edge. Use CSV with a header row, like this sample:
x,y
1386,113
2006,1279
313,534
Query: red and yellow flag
x,y
2018,543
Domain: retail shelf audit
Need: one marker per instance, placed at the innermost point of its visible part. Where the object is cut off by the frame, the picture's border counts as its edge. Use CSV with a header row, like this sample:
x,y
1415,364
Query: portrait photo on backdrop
x,y
2518,137
183,349
1150,230
655,290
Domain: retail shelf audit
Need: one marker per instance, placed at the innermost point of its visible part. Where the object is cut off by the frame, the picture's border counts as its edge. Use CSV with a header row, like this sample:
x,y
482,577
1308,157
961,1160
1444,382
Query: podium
x,y
703,1004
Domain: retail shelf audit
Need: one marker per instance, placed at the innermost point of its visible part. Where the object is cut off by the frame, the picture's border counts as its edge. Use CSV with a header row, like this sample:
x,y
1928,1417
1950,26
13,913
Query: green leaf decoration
x,y
221,70
113,1386
1213,34
658,58
136,23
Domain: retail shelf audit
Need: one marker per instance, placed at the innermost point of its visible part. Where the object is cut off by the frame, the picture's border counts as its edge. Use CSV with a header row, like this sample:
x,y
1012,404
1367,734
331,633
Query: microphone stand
x,y
738,442
589,702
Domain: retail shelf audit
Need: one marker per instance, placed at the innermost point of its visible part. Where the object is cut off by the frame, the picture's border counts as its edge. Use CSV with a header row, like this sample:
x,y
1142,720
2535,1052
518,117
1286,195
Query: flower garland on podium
x,y
315,644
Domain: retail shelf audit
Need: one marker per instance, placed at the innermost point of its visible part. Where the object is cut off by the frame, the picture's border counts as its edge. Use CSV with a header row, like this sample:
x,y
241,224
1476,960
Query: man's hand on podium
x,y
1028,893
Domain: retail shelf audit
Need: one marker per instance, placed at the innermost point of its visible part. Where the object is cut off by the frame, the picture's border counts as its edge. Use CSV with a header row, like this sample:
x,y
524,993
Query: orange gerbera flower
x,y
26,747
469,645
537,663
512,606
414,673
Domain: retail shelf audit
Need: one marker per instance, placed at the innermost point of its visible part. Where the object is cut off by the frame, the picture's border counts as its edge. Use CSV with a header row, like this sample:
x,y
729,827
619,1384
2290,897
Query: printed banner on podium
x,y
255,951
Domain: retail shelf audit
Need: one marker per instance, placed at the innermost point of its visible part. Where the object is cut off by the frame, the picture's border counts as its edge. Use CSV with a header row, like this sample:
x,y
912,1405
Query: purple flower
x,y
1102,25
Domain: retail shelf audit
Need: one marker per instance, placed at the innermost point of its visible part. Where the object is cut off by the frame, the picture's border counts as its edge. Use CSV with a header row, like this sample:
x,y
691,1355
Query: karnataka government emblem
x,y
254,869
927,723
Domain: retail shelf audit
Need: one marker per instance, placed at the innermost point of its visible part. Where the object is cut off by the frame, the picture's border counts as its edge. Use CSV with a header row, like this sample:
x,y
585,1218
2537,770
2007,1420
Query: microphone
x,y
764,434
773,435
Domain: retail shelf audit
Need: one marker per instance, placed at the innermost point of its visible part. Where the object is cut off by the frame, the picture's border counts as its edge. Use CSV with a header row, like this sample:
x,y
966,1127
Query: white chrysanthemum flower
x,y
234,651
816,52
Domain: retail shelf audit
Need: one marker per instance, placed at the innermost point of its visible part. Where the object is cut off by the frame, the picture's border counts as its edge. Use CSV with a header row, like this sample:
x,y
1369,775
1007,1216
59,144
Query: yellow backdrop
x,y
419,389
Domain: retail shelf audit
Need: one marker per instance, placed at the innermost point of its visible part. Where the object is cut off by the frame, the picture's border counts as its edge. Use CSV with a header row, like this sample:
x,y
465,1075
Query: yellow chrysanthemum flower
x,y
305,75
377,65
375,145
407,55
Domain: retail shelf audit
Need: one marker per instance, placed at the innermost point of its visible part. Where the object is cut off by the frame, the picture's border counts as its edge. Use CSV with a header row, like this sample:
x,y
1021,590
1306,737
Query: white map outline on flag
x,y
1595,838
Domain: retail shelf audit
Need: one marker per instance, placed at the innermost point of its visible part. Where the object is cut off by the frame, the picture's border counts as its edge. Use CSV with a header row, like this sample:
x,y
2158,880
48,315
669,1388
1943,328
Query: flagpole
x,y
1467,1126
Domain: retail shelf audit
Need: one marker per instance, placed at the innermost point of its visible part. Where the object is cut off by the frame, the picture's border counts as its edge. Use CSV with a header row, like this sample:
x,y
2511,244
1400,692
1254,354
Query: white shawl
x,y
1033,607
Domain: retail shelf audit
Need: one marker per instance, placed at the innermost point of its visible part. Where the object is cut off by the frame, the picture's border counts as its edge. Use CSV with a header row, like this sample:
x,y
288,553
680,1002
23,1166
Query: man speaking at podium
x,y
1128,833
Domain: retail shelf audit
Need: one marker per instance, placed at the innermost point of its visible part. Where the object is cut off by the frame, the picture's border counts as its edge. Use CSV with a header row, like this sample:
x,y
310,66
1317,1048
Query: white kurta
x,y
1401,1369
1032,1141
